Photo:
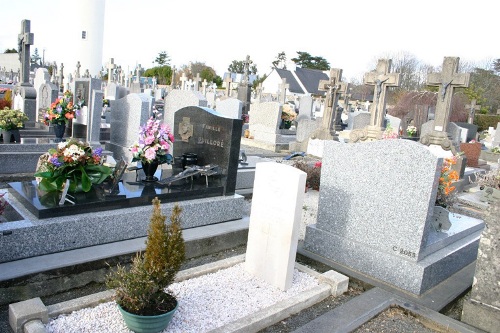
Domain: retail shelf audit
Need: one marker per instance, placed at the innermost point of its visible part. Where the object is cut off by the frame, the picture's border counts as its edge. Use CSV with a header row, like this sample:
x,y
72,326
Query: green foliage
x,y
208,74
280,61
484,121
36,59
238,66
141,289
162,59
162,73
305,60
10,51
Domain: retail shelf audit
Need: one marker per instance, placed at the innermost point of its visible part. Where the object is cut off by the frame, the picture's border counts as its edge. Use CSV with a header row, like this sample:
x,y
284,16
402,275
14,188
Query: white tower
x,y
90,35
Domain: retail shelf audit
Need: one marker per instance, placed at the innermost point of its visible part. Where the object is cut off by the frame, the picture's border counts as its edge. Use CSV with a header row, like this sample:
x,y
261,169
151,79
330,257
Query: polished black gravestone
x,y
213,138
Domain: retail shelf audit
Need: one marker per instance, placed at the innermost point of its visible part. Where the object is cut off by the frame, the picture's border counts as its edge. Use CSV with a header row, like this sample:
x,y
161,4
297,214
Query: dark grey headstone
x,y
472,130
214,138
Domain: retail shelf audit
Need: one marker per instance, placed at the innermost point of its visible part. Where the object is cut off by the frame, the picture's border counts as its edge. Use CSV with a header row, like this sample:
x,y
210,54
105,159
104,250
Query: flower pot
x,y
149,169
59,131
11,136
147,324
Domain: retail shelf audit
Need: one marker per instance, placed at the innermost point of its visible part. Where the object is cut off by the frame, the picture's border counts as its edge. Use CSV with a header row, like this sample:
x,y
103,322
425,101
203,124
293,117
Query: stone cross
x,y
204,86
382,79
283,87
246,70
228,80
172,81
61,76
259,91
138,75
77,73
197,81
344,91
472,110
25,39
86,74
331,118
111,67
183,81
447,80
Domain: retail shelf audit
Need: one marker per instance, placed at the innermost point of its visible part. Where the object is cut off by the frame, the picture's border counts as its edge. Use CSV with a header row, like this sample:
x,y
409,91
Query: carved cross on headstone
x,y
77,72
183,81
197,81
382,79
447,80
472,110
25,39
283,87
111,67
228,81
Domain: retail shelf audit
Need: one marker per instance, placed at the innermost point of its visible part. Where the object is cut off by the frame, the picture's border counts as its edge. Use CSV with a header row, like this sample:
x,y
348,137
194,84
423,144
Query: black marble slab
x,y
131,192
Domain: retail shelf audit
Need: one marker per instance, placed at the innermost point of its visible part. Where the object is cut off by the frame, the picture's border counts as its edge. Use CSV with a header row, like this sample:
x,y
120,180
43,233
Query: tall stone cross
x,y
283,87
447,80
472,110
331,87
344,91
246,70
183,81
204,86
77,73
197,81
61,76
228,80
138,73
25,39
382,79
111,67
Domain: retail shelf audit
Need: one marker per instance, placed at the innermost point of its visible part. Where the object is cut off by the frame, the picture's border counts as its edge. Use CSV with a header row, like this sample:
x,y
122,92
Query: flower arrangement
x,y
445,188
73,160
245,118
313,172
155,140
12,119
495,150
62,110
288,114
411,130
389,133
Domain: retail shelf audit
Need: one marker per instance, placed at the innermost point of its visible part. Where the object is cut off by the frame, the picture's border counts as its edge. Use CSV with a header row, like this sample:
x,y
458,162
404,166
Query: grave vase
x,y
11,135
59,130
149,169
147,324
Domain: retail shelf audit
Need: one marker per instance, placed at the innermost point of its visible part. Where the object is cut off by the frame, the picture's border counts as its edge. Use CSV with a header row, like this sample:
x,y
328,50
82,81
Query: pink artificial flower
x,y
317,164
150,154
149,140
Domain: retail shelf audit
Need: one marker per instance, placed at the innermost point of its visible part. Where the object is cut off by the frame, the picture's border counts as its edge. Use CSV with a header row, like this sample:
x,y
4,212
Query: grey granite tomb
x,y
375,215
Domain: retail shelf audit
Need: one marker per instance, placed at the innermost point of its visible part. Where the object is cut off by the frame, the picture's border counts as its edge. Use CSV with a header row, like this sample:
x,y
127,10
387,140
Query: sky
x,y
349,34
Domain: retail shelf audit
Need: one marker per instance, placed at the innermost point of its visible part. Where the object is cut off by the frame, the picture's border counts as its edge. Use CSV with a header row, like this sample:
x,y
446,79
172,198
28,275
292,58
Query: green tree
x,y
305,60
36,59
10,51
162,73
280,61
484,87
162,59
238,66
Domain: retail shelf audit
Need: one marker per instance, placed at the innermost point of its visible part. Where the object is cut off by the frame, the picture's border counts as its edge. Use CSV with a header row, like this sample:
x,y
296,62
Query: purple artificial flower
x,y
98,152
55,162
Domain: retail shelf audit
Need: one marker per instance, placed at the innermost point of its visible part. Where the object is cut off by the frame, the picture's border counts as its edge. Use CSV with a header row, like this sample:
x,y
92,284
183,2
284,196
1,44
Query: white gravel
x,y
205,303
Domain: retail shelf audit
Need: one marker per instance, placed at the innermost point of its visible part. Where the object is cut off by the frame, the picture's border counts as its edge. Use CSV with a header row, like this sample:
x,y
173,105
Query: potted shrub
x,y
10,123
141,292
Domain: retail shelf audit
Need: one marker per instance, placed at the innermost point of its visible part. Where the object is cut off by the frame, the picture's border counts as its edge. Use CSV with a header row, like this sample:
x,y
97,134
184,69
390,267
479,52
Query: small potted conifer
x,y
141,291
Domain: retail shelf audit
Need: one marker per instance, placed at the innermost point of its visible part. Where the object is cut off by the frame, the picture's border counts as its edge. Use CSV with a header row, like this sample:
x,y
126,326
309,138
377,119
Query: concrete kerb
x,y
35,313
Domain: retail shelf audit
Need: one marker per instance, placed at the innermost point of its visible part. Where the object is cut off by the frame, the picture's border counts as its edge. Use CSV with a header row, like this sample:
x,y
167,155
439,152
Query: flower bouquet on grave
x,y
389,133
411,130
155,140
12,119
445,195
73,160
288,115
62,110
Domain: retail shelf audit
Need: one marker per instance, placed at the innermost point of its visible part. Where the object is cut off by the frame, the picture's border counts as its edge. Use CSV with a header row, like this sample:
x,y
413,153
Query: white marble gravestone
x,y
275,217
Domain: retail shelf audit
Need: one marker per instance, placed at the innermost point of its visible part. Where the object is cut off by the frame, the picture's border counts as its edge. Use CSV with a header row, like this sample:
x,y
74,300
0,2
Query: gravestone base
x,y
448,252
481,316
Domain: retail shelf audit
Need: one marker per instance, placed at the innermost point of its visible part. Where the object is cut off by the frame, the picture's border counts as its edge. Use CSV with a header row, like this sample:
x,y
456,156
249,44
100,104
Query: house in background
x,y
301,81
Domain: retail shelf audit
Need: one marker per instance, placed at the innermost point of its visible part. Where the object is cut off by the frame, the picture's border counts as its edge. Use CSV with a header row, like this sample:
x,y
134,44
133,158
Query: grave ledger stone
x,y
378,221
274,223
